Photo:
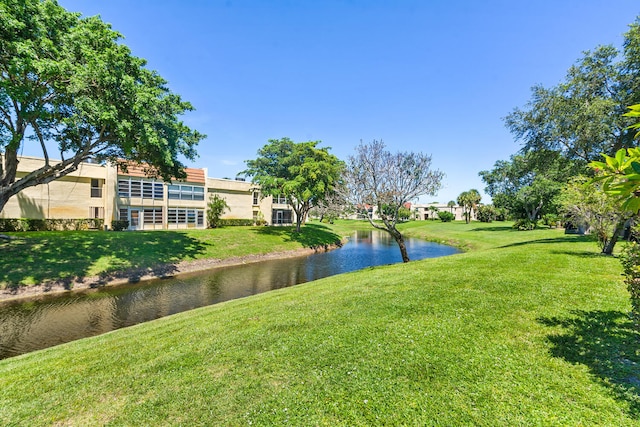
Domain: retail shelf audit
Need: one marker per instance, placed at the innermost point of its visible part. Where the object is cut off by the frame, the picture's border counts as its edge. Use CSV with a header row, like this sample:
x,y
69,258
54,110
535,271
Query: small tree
x,y
446,216
216,207
486,213
404,214
451,205
469,201
434,212
301,172
584,204
376,177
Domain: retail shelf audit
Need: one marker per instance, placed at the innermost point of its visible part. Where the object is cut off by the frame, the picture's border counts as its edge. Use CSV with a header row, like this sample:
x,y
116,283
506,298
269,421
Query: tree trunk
x,y
4,198
608,247
400,241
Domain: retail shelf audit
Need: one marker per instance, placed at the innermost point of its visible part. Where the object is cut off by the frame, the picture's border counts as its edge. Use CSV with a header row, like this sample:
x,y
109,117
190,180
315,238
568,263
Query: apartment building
x,y
430,211
110,193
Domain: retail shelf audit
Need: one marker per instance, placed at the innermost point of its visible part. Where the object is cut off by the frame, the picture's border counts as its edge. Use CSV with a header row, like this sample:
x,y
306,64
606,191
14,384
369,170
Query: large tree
x,y
67,85
527,185
387,181
582,117
301,172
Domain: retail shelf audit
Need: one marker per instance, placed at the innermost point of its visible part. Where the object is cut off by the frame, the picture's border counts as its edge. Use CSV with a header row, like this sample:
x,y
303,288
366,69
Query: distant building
x,y
110,193
426,211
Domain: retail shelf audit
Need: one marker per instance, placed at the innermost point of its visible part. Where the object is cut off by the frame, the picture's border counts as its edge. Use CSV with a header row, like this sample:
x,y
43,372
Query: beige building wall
x,y
243,199
422,212
70,197
93,192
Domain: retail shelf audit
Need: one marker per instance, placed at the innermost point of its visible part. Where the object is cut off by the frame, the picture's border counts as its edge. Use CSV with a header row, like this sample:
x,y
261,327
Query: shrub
x,y
524,224
37,224
551,220
630,258
216,208
486,213
119,224
234,222
446,216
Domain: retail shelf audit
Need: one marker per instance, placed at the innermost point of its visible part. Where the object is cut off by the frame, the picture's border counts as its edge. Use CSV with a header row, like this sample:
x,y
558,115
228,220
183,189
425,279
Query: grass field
x,y
37,257
526,328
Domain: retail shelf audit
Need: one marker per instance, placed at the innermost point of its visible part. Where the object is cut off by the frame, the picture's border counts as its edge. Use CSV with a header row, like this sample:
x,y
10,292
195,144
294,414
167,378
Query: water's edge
x,y
162,271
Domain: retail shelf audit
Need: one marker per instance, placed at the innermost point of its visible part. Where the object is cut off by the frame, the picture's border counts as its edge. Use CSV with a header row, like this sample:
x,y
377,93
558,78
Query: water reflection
x,y
48,321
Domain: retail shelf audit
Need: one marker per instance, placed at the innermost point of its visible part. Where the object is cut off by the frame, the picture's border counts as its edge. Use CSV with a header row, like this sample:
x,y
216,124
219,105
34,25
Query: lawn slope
x,y
526,328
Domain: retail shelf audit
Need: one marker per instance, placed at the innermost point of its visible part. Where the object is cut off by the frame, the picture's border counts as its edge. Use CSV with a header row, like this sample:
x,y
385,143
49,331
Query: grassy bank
x,y
37,257
526,328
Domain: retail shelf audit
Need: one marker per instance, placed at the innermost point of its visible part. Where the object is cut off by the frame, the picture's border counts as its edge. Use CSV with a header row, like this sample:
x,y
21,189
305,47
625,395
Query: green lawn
x,y
526,328
35,257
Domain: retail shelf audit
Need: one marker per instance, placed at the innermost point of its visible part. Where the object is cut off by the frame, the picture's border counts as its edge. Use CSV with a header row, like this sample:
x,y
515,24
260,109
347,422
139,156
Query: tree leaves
x,y
69,80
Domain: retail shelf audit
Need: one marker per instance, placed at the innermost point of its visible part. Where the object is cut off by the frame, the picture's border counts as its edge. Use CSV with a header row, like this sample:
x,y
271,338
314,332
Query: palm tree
x,y
451,205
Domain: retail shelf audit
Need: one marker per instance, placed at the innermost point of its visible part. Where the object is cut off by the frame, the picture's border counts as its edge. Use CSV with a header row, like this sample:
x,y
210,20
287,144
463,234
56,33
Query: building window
x,y
96,212
185,192
256,198
139,188
96,188
123,214
280,216
279,200
123,188
191,217
152,216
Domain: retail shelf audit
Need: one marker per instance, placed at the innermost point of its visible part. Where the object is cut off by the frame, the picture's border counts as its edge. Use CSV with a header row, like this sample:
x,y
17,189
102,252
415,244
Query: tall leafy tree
x,y
469,201
376,177
301,172
67,85
528,184
582,116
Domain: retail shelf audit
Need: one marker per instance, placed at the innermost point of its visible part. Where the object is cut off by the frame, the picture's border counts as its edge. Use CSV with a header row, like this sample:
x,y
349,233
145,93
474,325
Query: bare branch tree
x,y
378,178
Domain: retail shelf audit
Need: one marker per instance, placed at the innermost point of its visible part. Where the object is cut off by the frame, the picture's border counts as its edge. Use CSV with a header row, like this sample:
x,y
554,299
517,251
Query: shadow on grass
x,y
315,236
64,257
607,343
581,254
565,239
495,228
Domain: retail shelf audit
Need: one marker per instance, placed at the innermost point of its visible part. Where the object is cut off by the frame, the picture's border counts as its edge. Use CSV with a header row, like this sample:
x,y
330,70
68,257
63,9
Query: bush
x,y
216,208
551,220
234,222
119,224
33,224
486,213
524,224
446,216
630,258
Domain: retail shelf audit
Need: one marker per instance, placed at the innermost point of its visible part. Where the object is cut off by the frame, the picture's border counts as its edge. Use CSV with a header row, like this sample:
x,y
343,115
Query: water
x,y
47,321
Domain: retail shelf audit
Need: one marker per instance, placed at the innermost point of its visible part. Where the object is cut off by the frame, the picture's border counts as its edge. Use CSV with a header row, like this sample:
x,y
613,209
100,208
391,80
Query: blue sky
x,y
429,76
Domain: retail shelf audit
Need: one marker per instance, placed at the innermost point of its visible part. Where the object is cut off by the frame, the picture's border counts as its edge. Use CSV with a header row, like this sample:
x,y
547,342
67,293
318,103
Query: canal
x,y
29,325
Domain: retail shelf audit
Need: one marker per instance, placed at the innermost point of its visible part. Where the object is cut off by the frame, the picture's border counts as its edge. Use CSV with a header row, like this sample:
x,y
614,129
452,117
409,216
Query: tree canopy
x,y
301,172
582,116
469,201
378,178
68,85
528,184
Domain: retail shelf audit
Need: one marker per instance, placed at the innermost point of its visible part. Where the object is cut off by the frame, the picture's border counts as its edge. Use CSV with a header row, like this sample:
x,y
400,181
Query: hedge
x,y
32,224
234,221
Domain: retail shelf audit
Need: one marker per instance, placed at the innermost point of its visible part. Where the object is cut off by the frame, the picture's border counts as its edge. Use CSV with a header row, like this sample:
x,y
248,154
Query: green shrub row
x,y
31,224
234,222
